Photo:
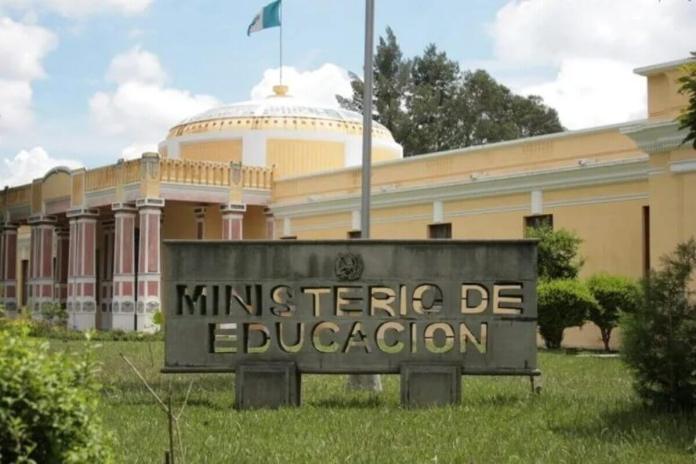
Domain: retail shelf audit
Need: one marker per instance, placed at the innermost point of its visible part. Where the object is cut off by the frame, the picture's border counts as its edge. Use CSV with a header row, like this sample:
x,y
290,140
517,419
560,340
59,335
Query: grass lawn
x,y
587,413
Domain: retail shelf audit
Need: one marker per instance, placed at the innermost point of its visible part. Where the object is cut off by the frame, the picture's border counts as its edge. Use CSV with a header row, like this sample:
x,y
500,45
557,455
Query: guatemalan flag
x,y
269,16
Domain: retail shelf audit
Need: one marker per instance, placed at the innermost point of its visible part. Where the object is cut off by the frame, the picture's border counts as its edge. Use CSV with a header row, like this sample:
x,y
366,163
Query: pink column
x,y
123,299
9,263
82,276
270,224
2,258
200,222
149,269
232,221
106,269
41,279
61,271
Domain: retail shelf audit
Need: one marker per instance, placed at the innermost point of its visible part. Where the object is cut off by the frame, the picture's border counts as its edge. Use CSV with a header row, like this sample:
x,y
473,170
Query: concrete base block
x,y
143,323
82,321
267,385
425,385
105,323
123,321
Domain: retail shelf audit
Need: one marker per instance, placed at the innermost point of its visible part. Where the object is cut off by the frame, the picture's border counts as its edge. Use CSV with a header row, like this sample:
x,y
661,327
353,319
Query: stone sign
x,y
430,310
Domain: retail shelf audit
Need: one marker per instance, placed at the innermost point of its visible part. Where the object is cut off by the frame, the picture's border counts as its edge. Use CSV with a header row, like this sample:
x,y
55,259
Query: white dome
x,y
278,106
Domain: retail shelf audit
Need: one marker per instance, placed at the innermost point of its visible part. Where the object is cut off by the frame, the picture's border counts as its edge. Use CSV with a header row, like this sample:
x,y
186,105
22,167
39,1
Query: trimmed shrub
x,y
659,338
46,329
48,404
557,253
615,294
562,304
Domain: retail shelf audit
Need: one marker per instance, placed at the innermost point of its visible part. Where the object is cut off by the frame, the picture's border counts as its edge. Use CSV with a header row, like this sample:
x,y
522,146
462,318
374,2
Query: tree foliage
x,y
687,119
557,253
660,336
561,304
48,404
615,295
429,104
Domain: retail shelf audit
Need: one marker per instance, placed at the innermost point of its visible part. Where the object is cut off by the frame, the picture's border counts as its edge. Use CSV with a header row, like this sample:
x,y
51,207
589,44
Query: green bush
x,y
659,338
45,329
48,404
561,304
615,295
557,253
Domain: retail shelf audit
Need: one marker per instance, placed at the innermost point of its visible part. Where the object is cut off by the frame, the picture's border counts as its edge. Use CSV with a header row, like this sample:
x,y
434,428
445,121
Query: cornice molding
x,y
552,179
656,137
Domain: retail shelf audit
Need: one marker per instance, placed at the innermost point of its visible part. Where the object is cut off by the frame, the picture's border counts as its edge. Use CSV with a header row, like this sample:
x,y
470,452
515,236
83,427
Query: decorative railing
x,y
212,173
257,177
19,195
131,171
101,178
194,172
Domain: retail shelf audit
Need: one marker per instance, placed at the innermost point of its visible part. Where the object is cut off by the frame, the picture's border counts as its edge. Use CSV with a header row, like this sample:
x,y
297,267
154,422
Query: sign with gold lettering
x,y
351,306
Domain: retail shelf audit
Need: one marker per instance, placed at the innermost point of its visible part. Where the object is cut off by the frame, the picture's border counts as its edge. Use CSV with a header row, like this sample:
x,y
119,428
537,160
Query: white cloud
x,y
592,45
137,150
79,8
318,86
22,49
136,65
28,165
141,107
593,92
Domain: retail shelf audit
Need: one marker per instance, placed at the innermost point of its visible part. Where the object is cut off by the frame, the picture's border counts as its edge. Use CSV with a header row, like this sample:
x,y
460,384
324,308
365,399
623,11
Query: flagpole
x,y
367,120
281,43
371,382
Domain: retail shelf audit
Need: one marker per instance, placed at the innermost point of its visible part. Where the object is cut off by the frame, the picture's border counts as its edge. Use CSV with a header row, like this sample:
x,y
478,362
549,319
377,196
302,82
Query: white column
x,y
41,281
232,221
9,274
537,202
149,268
61,270
123,298
270,224
82,272
106,269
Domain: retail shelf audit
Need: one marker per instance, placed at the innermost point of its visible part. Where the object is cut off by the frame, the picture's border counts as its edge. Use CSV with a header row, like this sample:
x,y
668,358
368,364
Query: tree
x,y
660,336
432,88
615,295
687,119
391,75
557,256
430,105
561,304
48,404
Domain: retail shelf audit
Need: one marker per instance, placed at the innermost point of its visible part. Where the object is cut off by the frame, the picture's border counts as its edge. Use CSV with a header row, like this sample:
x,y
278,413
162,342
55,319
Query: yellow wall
x,y
254,223
296,157
384,154
219,150
672,203
458,165
611,227
179,220
57,185
664,99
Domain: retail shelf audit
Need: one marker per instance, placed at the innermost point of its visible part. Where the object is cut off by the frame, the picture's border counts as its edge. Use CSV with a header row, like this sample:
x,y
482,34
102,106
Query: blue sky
x,y
204,47
85,81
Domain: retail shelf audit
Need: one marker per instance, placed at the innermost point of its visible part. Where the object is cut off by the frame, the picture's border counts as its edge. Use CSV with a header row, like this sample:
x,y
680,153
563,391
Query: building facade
x,y
282,168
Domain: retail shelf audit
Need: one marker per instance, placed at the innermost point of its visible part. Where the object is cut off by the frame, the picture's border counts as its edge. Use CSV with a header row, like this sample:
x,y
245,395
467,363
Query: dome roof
x,y
266,113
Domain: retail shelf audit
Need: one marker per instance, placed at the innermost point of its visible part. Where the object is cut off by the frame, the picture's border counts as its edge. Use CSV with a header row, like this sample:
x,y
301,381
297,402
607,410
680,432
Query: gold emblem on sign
x,y
349,266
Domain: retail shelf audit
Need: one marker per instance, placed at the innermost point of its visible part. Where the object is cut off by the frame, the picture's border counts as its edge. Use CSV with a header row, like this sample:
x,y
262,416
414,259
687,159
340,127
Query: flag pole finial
x,y
280,90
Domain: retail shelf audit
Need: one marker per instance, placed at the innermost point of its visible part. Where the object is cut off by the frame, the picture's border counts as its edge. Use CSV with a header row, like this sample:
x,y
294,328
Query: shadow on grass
x,y
674,430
